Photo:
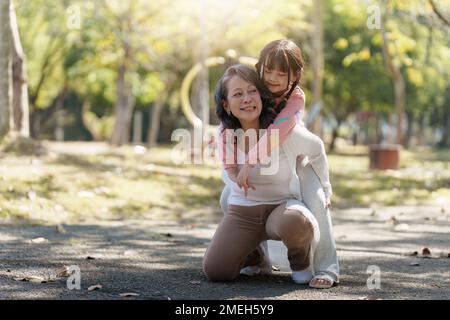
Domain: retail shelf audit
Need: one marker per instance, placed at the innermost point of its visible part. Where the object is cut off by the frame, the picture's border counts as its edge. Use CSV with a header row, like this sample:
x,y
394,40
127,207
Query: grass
x,y
78,181
423,179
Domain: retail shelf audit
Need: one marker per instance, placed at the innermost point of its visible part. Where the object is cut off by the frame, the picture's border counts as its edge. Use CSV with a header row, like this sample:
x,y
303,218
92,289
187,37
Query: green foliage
x,y
165,41
74,183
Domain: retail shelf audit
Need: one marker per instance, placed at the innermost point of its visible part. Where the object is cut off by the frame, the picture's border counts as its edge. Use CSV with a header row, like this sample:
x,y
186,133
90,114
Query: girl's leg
x,y
224,199
296,232
325,257
240,232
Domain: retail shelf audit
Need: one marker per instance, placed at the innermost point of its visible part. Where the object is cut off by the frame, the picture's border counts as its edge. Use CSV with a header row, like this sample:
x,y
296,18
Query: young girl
x,y
280,66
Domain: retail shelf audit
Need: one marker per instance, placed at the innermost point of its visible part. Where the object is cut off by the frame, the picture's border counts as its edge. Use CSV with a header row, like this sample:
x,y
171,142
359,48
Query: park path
x,y
162,259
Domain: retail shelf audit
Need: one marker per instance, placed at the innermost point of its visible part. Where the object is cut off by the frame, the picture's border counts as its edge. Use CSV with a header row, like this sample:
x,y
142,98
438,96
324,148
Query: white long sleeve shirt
x,y
281,182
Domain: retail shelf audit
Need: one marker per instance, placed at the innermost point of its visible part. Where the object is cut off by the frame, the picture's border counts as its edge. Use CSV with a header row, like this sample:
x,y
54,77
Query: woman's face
x,y
276,80
243,99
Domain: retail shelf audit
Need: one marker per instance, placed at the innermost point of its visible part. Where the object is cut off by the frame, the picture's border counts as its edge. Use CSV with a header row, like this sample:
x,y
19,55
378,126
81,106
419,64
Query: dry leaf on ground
x,y
129,294
95,287
63,272
60,229
33,279
39,240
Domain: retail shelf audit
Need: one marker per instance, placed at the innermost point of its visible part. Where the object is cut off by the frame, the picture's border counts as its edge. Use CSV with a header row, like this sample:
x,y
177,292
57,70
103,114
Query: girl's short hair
x,y
251,76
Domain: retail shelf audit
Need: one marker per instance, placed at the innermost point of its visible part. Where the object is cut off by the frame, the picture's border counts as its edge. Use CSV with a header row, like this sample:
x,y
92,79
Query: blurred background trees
x,y
111,70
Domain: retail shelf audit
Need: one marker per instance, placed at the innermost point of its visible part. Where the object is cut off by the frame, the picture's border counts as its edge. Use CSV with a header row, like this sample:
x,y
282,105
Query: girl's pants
x,y
242,230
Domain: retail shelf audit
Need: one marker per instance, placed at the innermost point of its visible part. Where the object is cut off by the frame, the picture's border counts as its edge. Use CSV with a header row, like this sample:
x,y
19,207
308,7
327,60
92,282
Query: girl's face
x,y
277,80
243,99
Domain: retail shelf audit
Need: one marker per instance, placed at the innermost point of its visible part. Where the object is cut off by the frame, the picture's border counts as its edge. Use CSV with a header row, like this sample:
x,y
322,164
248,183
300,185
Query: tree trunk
x,y
204,74
334,136
409,129
119,109
421,131
123,110
399,83
444,143
137,127
5,65
378,133
39,117
155,122
21,123
317,63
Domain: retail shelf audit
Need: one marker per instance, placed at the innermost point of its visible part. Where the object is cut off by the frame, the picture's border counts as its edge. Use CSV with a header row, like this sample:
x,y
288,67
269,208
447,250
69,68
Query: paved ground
x,y
162,260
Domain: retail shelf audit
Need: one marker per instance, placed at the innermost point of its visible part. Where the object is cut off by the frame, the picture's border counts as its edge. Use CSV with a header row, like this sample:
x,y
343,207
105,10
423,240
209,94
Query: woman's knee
x,y
217,271
295,225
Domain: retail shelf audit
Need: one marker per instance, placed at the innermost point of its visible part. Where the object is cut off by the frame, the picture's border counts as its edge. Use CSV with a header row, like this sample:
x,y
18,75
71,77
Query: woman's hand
x,y
242,178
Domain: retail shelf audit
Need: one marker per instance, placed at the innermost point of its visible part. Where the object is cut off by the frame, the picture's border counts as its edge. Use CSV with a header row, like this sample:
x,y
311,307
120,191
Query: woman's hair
x,y
248,74
282,55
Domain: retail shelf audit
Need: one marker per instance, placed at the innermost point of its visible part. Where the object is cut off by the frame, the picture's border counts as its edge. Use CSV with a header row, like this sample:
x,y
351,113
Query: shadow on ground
x,y
162,260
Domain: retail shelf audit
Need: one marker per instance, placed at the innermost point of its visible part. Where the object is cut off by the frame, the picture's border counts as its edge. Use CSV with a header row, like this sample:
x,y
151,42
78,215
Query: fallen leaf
x,y
39,240
401,227
95,287
393,221
63,272
369,298
426,252
60,229
130,253
33,279
140,149
32,195
129,294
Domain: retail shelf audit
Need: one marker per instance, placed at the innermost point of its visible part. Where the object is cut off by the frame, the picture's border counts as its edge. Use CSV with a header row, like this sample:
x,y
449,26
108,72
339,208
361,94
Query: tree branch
x,y
440,16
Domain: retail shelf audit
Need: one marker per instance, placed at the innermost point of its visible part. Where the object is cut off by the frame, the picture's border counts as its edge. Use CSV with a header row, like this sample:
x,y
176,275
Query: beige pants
x,y
242,230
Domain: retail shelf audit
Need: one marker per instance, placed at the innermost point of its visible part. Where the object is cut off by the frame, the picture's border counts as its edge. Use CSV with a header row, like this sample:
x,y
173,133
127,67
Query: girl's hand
x,y
328,203
243,176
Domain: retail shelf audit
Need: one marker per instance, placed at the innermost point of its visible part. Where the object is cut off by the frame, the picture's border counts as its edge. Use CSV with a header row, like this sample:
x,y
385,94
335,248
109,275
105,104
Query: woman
x,y
273,210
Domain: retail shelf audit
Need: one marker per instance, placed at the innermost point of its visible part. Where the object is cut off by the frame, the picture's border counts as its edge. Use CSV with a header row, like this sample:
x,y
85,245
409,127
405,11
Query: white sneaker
x,y
250,270
303,276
